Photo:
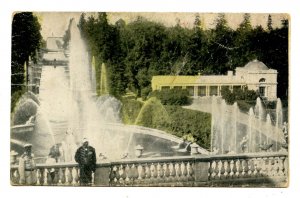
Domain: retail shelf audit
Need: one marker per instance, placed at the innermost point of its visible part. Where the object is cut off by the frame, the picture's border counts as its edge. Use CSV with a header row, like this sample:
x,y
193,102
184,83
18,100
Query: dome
x,y
256,65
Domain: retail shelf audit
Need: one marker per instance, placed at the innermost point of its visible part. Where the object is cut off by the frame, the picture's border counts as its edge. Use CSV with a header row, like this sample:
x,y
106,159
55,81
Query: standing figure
x,y
85,156
55,152
27,169
243,144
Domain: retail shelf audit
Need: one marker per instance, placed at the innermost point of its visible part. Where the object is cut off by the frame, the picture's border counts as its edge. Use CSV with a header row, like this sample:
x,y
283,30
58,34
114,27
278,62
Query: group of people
x,y
85,156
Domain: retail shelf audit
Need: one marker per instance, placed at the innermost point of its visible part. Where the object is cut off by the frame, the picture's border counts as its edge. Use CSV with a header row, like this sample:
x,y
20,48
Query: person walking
x,y
27,167
85,156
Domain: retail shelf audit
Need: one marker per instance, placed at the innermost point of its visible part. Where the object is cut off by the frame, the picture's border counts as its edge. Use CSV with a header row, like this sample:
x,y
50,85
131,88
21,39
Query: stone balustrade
x,y
65,174
269,169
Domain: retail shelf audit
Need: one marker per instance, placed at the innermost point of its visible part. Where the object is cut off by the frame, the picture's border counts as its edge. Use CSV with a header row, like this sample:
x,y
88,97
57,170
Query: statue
x,y
243,144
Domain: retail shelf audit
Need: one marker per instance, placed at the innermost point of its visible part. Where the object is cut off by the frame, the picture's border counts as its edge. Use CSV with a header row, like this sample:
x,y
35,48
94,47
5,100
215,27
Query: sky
x,y
56,23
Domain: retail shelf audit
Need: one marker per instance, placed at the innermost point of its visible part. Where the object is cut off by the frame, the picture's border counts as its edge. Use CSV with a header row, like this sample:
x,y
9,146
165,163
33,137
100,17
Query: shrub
x,y
238,95
172,96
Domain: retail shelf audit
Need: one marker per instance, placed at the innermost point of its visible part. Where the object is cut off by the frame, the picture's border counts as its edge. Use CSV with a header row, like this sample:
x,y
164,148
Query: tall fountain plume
x,y
250,131
234,132
83,118
93,75
268,127
235,116
103,81
279,119
260,114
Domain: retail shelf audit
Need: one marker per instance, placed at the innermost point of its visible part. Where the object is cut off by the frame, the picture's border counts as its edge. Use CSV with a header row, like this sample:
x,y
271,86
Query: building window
x,y
213,90
177,87
262,91
165,87
262,80
235,88
202,91
190,90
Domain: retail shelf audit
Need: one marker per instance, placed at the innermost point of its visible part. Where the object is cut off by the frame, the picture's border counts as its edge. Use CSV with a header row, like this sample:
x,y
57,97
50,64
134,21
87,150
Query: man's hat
x,y
84,140
13,152
27,145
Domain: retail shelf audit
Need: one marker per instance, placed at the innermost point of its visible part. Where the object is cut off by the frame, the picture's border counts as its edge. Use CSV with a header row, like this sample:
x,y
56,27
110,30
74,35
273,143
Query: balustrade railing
x,y
64,174
221,170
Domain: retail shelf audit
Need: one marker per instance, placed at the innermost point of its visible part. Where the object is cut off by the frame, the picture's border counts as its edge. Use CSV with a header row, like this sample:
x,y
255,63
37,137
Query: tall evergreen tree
x,y
269,23
26,40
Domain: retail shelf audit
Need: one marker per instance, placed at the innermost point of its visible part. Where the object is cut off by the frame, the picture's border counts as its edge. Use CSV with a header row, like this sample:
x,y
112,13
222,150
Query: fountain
x,y
103,81
68,103
30,125
236,132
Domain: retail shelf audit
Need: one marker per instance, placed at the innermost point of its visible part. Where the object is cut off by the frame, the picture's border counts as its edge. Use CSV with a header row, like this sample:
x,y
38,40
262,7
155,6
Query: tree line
x,y
136,51
26,40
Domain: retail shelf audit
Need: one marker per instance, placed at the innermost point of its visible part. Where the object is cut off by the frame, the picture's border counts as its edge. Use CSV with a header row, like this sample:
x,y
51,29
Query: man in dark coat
x,y
85,156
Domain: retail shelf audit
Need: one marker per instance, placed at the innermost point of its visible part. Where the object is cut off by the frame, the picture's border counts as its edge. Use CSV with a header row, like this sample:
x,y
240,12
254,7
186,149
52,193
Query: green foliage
x,y
172,96
145,92
227,95
189,124
238,95
15,98
153,114
130,110
185,122
140,49
26,39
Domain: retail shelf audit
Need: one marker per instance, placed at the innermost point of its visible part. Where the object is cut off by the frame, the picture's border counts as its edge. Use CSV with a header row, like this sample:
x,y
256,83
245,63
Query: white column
x,y
196,91
207,91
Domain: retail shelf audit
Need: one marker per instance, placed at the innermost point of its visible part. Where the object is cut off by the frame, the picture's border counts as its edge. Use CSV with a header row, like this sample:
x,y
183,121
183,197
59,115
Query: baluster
x,y
250,167
38,177
183,171
121,173
60,176
113,176
270,167
190,171
231,173
74,176
127,174
244,168
281,166
238,168
141,172
147,171
213,169
159,172
172,172
68,176
45,175
134,172
220,164
276,166
177,171
226,168
166,172
255,163
286,166
263,166
153,172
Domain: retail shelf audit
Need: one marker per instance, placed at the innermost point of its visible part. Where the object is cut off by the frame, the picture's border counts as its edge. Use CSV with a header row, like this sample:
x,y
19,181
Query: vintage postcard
x,y
149,99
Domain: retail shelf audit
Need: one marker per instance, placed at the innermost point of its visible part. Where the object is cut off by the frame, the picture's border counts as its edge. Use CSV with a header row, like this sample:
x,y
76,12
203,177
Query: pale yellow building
x,y
255,75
